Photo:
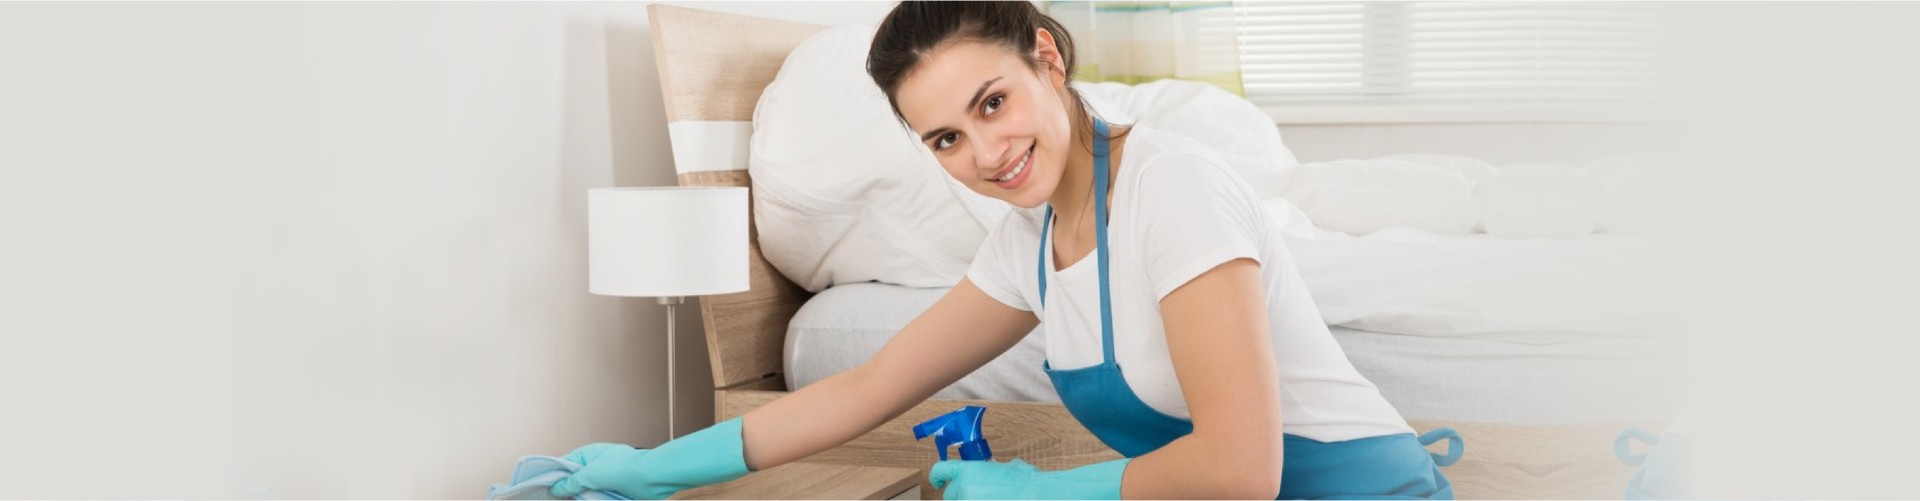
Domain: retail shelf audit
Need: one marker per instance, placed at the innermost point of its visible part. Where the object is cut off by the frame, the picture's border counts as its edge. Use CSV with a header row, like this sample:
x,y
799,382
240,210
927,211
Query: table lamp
x,y
667,243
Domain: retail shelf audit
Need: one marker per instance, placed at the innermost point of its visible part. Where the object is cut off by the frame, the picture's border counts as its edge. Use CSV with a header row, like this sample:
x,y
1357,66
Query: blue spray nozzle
x,y
962,426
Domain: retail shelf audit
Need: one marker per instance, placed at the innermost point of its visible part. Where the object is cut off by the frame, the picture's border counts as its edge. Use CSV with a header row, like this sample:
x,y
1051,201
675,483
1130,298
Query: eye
x,y
992,104
945,140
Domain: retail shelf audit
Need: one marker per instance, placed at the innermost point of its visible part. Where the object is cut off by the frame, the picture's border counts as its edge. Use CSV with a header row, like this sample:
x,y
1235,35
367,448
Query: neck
x,y
1074,193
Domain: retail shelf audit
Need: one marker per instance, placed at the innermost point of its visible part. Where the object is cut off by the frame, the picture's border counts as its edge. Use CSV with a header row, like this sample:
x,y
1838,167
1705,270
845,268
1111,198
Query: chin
x,y
1028,199
1026,205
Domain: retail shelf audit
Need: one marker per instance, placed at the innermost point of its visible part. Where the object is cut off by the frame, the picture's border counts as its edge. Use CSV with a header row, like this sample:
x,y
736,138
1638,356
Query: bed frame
x,y
713,67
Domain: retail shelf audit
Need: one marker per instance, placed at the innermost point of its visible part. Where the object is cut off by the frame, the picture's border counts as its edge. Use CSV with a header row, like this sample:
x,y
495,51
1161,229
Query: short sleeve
x,y
1194,215
994,268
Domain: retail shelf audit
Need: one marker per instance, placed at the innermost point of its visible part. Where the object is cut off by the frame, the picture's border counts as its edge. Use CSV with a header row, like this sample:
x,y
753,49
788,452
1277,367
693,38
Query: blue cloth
x,y
534,474
1392,466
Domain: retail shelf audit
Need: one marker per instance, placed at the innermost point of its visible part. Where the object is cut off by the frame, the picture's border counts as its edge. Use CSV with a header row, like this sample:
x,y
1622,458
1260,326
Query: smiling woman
x,y
1185,323
1227,358
1232,382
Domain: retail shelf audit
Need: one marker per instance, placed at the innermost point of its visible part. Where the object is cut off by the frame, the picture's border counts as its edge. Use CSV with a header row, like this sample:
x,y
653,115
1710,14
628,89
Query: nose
x,y
989,148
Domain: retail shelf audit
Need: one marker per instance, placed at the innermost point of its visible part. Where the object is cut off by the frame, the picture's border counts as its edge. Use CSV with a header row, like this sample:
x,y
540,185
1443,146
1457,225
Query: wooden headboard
x,y
713,67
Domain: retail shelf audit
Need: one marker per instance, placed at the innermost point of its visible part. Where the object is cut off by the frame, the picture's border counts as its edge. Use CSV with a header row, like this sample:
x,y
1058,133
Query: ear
x,y
1046,50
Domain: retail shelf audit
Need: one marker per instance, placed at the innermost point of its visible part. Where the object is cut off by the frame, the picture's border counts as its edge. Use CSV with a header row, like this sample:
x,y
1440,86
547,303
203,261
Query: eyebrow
x,y
971,102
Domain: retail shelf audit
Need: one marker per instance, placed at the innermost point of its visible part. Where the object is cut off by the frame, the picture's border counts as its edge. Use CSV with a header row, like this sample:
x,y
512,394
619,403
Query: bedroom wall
x,y
295,250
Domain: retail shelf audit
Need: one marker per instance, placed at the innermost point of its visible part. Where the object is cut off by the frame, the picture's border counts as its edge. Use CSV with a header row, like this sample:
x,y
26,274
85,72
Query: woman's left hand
x,y
1018,480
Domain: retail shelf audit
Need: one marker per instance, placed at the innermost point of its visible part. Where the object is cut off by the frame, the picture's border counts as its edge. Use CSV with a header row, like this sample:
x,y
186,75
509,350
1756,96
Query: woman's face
x,y
995,123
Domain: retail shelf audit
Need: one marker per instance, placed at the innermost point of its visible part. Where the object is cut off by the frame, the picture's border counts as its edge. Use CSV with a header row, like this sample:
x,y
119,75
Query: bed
x,y
711,84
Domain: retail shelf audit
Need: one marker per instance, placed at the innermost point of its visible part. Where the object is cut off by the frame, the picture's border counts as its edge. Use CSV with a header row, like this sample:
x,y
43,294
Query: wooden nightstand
x,y
800,480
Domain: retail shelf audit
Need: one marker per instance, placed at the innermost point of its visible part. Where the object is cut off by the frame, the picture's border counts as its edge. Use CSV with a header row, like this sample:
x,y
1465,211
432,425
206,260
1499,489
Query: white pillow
x,y
1245,136
1640,192
843,193
1474,169
1539,201
1364,196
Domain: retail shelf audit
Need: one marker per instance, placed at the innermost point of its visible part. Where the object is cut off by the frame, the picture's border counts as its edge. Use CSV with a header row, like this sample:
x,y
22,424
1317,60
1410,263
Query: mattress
x,y
1424,377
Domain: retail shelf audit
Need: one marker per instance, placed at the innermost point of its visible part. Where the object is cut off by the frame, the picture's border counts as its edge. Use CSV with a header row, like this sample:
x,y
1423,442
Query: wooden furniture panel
x,y
800,480
713,67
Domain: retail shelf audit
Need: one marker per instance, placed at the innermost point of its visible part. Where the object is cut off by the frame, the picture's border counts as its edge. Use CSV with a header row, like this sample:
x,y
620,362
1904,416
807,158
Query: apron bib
x,y
1384,467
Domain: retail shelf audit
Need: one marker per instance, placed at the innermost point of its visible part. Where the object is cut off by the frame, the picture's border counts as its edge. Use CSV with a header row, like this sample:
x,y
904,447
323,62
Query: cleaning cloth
x,y
535,474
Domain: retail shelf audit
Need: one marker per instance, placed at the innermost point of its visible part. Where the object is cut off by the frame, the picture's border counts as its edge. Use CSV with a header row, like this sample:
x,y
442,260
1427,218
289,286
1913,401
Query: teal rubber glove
x,y
1018,480
705,457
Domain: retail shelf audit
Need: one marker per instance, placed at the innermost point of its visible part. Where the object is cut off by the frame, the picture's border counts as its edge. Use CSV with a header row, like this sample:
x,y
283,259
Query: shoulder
x,y
1169,168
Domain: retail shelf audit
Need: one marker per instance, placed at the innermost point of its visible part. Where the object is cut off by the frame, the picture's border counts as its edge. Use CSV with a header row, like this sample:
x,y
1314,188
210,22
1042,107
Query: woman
x,y
1233,387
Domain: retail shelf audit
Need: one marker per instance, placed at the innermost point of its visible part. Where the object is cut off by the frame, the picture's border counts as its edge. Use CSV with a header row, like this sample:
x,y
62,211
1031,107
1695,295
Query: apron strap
x,y
1100,170
1046,225
1100,235
1456,446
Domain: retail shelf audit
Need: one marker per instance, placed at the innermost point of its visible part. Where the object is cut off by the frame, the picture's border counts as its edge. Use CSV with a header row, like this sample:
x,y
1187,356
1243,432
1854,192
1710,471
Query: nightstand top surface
x,y
802,480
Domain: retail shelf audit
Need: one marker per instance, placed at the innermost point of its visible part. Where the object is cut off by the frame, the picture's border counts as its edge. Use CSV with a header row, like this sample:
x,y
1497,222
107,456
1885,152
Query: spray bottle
x,y
961,426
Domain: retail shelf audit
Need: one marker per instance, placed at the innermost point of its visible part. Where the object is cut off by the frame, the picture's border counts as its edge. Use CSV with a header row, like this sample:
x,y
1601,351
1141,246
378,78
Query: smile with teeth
x,y
1017,169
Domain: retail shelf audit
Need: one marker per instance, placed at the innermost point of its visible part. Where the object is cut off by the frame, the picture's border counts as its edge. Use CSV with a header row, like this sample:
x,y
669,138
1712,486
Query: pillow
x,y
1640,192
842,192
1532,200
1245,136
1473,169
1364,196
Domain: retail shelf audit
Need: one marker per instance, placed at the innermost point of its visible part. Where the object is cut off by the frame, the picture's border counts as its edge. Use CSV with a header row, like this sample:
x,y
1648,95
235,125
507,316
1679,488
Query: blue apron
x,y
1383,467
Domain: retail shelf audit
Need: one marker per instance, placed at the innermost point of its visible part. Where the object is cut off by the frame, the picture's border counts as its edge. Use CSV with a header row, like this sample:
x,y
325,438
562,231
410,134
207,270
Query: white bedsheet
x,y
1426,378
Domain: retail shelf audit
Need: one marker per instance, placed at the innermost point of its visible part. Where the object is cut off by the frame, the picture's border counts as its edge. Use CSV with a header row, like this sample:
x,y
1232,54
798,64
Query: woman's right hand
x,y
705,457
604,467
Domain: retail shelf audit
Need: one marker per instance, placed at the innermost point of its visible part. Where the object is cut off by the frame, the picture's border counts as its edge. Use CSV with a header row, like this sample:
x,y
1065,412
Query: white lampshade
x,y
667,241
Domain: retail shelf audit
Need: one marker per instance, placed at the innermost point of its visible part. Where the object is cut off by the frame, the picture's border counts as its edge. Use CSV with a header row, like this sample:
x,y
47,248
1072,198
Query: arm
x,y
964,330
1218,336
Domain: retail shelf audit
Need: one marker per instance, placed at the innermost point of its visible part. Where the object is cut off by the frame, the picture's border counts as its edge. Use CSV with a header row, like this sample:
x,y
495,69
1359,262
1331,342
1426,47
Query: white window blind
x,y
1465,60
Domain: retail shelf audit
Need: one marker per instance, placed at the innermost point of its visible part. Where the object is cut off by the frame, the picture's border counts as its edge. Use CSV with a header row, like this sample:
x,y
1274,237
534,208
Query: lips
x,y
1018,175
1005,173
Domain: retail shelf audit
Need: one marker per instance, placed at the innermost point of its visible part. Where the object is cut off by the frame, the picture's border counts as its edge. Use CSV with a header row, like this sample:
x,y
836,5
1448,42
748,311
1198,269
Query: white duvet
x,y
1531,290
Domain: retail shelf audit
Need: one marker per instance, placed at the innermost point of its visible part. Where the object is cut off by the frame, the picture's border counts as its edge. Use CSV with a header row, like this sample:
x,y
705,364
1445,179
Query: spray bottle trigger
x,y
961,426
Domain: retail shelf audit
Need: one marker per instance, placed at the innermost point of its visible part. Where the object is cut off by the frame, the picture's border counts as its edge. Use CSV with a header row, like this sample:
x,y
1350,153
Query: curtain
x,y
1138,42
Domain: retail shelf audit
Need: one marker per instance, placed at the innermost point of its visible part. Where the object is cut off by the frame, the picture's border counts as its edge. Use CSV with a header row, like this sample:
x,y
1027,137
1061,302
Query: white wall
x,y
324,250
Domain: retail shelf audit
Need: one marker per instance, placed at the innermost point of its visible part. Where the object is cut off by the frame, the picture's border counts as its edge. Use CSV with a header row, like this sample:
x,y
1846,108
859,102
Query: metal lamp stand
x,y
670,302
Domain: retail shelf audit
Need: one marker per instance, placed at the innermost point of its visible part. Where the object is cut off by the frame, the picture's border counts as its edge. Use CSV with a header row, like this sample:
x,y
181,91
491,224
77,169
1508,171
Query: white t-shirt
x,y
1178,211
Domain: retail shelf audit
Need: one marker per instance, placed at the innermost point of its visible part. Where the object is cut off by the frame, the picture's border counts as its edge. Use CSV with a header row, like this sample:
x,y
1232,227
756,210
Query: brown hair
x,y
914,29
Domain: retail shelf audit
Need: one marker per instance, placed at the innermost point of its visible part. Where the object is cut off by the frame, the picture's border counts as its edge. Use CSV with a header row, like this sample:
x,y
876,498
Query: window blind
x,y
1462,55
